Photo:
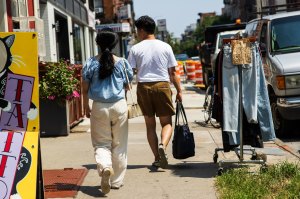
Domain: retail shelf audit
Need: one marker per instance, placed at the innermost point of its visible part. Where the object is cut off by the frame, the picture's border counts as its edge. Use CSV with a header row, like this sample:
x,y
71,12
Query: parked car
x,y
195,58
279,39
181,57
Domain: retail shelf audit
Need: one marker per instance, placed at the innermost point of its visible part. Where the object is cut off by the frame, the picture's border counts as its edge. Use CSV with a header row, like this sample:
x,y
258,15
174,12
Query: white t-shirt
x,y
152,58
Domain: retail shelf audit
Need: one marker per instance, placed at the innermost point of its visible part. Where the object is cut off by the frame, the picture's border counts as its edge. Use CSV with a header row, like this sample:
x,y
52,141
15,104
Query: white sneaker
x,y
105,181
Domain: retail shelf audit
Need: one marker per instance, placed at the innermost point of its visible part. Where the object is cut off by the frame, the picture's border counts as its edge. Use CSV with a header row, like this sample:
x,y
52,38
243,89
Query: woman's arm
x,y
86,106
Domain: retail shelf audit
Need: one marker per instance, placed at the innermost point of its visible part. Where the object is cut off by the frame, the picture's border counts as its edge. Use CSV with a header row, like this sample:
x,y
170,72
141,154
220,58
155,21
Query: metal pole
x,y
241,113
163,36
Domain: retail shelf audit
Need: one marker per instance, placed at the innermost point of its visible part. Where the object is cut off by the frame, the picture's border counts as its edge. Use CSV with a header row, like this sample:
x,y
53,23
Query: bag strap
x,y
183,113
180,111
129,85
177,114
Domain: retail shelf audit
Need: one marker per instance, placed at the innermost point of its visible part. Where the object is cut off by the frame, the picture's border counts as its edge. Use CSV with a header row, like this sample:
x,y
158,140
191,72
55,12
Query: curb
x,y
285,147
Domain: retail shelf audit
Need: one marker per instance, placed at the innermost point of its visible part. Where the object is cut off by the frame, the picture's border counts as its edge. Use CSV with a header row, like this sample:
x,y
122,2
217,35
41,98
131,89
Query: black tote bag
x,y
183,144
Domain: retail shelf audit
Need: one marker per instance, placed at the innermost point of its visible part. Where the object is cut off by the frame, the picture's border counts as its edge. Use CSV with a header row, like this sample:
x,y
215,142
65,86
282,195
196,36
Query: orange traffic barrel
x,y
180,67
198,73
177,69
190,69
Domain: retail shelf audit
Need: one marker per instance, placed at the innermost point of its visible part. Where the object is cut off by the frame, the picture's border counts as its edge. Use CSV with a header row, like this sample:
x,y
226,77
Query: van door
x,y
264,46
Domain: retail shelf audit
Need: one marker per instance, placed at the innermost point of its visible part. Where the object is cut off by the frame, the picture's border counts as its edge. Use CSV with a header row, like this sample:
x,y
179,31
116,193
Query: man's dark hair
x,y
146,23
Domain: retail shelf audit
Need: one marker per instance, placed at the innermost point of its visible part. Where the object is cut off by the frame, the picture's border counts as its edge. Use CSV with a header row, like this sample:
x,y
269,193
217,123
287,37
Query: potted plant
x,y
58,86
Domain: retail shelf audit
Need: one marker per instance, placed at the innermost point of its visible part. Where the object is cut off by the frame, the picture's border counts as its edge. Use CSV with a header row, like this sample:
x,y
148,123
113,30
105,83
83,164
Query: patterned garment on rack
x,y
241,51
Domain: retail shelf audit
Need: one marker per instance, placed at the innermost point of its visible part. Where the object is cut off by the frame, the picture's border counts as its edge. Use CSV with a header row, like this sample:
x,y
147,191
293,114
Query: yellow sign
x,y
19,118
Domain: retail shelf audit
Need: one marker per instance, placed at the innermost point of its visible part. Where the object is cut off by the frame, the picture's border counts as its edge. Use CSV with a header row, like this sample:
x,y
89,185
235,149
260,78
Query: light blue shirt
x,y
110,89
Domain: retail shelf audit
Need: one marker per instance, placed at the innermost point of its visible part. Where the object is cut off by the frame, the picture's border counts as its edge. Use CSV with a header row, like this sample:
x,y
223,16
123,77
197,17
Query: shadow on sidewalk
x,y
93,191
194,169
90,166
185,169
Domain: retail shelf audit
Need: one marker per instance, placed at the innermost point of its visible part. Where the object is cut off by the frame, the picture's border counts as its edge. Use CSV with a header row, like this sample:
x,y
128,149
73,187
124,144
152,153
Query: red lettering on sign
x,y
8,142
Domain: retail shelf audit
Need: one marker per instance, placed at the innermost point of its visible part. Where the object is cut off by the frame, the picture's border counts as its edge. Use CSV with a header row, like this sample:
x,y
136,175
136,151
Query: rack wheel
x,y
263,168
254,156
220,171
215,158
259,156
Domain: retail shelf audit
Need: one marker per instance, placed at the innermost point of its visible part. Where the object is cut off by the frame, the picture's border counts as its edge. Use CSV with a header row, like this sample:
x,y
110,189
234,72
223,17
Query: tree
x,y
190,41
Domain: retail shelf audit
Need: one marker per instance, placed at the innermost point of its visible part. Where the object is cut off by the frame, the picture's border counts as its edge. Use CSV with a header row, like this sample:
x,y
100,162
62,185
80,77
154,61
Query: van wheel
x,y
278,121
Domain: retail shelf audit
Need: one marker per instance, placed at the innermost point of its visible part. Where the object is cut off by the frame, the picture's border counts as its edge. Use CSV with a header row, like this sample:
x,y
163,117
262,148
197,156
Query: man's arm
x,y
176,81
86,106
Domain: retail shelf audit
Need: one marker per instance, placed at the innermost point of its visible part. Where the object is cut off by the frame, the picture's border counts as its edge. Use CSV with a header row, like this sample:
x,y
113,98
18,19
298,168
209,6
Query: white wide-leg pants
x,y
109,134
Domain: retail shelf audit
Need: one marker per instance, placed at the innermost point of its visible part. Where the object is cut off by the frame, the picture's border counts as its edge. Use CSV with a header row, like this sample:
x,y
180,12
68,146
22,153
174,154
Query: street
x,y
292,136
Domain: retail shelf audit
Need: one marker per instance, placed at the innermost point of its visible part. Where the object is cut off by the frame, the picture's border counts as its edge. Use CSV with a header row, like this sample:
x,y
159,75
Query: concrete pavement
x,y
190,178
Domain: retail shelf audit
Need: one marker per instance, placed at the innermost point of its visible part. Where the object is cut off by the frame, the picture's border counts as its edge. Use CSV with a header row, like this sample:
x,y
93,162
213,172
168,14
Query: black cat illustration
x,y
6,59
22,170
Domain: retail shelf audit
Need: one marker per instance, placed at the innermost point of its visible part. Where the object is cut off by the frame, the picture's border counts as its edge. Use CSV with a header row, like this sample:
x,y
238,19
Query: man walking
x,y
154,63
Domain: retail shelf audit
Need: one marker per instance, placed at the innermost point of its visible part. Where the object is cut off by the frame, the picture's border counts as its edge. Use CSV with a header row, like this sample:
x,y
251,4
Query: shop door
x,y
62,37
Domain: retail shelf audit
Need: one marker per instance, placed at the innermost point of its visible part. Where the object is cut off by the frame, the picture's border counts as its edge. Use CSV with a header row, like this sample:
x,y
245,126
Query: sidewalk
x,y
190,178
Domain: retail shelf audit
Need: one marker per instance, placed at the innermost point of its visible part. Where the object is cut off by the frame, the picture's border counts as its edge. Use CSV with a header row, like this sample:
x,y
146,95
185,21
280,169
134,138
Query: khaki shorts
x,y
155,98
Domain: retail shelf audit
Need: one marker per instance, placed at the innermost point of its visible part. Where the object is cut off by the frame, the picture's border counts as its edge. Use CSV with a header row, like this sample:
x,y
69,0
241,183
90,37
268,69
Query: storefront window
x,y
91,5
19,8
78,40
98,7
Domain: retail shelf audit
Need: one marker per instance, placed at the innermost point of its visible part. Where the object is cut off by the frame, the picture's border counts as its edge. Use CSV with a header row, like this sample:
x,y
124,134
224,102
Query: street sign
x,y
124,12
161,25
116,27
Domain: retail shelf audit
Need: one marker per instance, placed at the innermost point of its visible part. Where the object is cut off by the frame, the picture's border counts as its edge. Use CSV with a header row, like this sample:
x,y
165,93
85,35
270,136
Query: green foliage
x,y
59,82
173,43
278,181
209,21
190,42
189,46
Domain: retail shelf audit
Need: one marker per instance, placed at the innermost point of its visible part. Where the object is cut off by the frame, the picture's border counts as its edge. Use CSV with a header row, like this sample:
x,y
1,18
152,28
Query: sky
x,y
178,13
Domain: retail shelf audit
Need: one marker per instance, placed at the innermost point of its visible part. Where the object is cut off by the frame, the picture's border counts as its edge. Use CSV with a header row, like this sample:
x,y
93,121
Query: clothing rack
x,y
239,150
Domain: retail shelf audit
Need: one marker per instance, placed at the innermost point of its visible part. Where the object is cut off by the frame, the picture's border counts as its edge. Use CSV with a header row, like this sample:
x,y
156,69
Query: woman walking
x,y
104,83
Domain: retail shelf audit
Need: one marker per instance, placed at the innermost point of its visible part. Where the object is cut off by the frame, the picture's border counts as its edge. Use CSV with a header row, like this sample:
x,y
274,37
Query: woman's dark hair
x,y
146,23
106,39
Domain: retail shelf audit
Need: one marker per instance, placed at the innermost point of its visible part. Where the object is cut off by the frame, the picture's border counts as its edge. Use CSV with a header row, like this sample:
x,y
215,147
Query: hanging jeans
x,y
254,93
264,114
109,133
230,78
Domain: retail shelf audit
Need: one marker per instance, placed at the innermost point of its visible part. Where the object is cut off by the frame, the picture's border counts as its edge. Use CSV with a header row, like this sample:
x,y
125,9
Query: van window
x,y
263,35
285,34
251,28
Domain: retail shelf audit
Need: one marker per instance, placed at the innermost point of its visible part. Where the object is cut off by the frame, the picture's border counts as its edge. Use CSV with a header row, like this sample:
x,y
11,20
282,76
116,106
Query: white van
x,y
218,45
279,39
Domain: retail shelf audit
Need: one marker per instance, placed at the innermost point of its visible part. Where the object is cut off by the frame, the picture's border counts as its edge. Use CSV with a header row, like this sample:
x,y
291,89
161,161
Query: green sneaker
x,y
156,163
163,156
105,181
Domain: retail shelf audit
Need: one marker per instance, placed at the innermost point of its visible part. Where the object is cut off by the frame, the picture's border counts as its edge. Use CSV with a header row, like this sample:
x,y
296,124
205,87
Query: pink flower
x,y
76,94
52,97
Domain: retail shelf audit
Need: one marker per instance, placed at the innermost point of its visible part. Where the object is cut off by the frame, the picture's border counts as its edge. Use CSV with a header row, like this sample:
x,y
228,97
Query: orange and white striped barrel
x,y
180,67
198,73
190,68
177,69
